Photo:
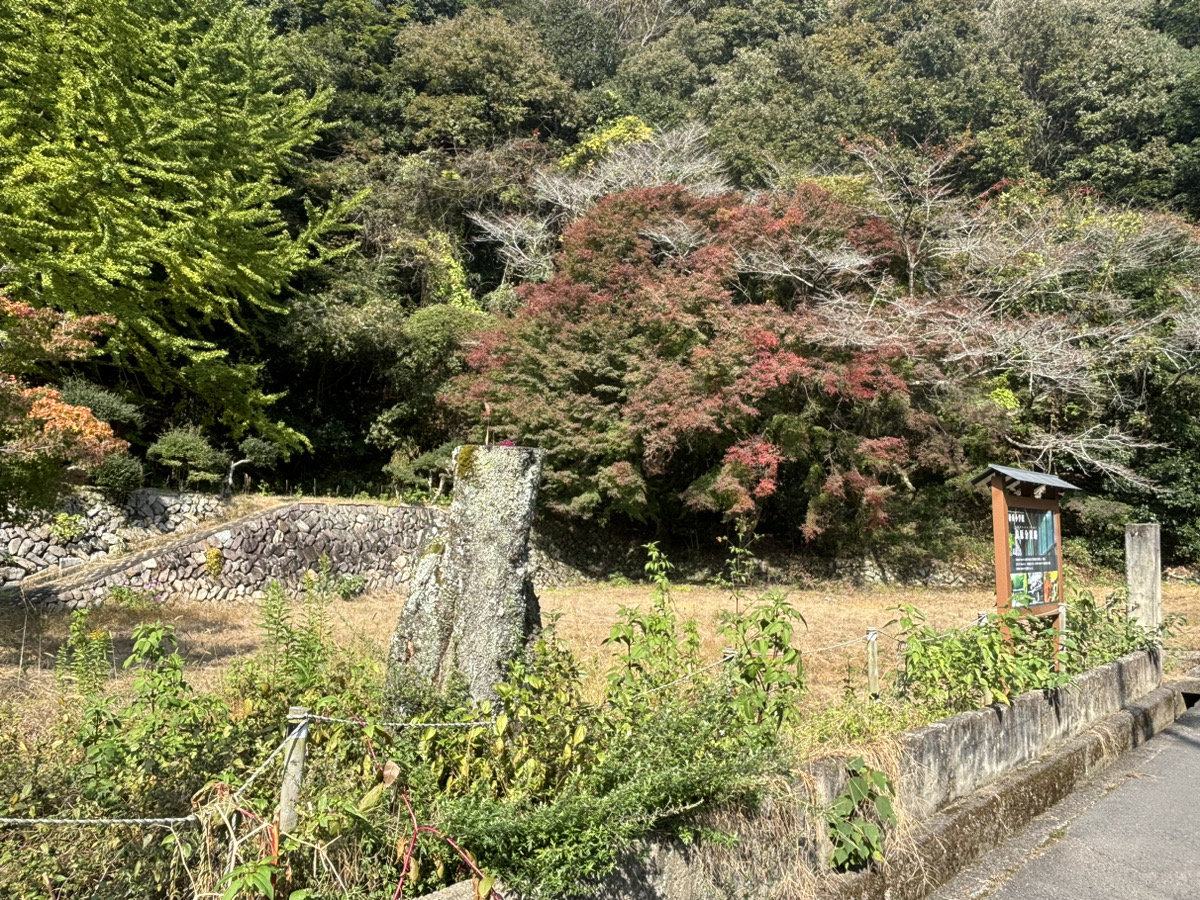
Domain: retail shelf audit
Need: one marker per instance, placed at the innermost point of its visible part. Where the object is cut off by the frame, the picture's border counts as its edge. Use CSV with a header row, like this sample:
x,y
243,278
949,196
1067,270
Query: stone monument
x,y
471,608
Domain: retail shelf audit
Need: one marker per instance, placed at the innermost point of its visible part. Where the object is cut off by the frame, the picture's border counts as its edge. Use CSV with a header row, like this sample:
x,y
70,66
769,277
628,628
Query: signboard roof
x,y
1022,476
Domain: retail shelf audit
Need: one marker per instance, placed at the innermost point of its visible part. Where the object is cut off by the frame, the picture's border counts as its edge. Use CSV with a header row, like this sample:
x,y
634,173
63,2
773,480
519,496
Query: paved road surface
x,y
1131,834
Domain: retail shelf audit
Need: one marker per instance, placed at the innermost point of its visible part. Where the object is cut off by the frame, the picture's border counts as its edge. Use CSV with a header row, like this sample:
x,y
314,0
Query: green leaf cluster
x,y
1010,653
858,818
144,146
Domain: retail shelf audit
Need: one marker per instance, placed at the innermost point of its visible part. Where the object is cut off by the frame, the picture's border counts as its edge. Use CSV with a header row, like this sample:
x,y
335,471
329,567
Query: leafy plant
x,y
1100,632
134,598
85,657
963,668
118,476
767,671
295,647
582,781
68,527
739,567
107,406
214,562
652,647
857,819
327,583
188,456
253,878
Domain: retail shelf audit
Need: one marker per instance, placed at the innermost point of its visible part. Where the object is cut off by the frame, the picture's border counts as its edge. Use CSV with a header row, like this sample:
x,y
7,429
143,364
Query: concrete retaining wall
x,y
940,766
237,559
950,759
941,846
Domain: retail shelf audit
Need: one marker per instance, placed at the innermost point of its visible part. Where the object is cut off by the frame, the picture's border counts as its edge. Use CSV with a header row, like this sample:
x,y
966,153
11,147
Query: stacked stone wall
x,y
27,550
236,560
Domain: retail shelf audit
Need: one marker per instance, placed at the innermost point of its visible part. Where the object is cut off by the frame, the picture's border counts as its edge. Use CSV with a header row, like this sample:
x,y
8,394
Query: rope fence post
x,y
981,618
1060,639
293,767
873,662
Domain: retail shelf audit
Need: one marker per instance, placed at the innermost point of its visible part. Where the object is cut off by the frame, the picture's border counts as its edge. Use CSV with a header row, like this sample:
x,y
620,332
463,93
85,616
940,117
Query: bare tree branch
x,y
679,157
526,243
1101,448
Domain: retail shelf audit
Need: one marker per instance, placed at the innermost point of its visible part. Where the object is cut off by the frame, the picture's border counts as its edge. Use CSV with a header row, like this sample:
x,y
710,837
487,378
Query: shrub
x,y
67,527
961,668
549,768
1100,632
106,405
84,659
118,476
188,457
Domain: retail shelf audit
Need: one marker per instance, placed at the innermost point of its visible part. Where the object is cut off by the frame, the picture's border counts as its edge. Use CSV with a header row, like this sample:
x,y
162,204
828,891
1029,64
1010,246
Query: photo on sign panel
x,y
1033,556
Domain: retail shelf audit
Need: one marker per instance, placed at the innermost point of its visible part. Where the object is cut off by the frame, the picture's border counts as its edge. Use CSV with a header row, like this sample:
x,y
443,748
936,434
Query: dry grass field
x,y
213,635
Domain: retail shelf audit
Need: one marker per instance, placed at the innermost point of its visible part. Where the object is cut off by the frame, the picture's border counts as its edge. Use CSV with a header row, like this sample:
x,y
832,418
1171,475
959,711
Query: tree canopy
x,y
144,146
795,266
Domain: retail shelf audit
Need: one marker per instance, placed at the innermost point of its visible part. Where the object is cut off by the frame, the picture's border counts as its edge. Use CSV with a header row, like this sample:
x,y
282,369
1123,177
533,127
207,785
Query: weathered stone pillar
x,y
471,607
1143,574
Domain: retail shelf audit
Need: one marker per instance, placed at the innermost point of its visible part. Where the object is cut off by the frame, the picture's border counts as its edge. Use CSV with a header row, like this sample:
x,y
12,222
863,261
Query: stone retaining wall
x,y
561,552
29,549
238,559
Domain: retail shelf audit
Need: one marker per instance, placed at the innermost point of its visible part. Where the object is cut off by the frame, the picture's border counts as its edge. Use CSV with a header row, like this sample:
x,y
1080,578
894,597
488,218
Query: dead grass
x,y
213,635
835,614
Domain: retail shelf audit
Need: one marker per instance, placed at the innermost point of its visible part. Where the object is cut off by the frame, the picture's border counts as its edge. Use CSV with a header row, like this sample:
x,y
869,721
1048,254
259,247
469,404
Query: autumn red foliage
x,y
657,373
41,435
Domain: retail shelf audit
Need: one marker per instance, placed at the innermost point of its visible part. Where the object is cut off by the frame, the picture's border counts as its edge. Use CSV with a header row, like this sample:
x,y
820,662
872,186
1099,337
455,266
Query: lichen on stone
x,y
465,462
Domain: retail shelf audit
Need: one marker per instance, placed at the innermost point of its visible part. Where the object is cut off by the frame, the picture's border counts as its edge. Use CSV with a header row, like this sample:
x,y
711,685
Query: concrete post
x,y
293,767
873,662
1143,574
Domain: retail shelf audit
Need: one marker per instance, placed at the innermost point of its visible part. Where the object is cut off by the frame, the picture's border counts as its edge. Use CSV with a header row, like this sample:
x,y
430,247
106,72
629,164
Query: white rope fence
x,y
394,726
299,734
849,643
301,726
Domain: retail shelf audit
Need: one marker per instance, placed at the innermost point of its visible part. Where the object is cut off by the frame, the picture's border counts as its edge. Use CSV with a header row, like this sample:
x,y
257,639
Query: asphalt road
x,y
1132,833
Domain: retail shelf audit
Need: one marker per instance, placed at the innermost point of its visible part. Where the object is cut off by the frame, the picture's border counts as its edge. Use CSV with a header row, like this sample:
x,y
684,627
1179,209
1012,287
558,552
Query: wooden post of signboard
x,y
1000,541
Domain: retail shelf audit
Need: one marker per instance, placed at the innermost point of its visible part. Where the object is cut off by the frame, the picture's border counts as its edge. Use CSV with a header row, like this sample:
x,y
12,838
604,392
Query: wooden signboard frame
x,y
1002,504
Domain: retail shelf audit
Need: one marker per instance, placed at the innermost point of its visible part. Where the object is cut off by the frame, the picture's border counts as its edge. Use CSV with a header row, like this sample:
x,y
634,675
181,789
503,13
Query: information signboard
x,y
1027,535
1033,555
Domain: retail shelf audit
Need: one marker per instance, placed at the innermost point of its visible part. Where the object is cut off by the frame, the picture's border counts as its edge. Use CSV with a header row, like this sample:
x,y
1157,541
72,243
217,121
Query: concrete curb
x,y
961,833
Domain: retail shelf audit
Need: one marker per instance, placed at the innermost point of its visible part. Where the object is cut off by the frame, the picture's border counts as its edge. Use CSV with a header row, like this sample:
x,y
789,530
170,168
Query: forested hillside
x,y
797,267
